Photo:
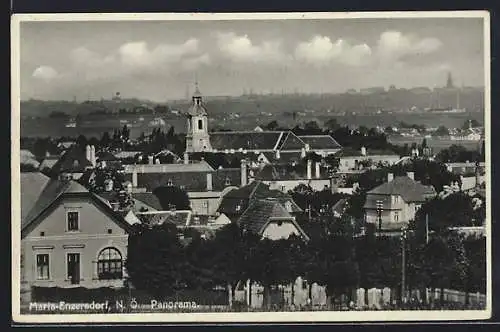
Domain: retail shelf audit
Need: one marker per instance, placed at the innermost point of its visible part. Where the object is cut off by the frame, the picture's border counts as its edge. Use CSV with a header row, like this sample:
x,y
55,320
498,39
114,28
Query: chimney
x,y
318,172
307,147
92,155
244,178
363,151
88,153
278,154
209,181
309,169
157,161
186,158
150,160
303,153
390,177
411,175
134,178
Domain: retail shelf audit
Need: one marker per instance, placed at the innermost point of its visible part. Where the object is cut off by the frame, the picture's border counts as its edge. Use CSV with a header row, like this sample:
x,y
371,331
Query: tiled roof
x,y
218,159
249,140
49,162
74,160
170,168
223,178
148,200
178,218
44,196
291,141
236,201
369,152
32,185
283,172
321,142
106,156
188,181
408,189
261,212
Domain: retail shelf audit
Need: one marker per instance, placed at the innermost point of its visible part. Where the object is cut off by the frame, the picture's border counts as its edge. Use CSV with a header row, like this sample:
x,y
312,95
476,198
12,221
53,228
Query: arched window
x,y
109,264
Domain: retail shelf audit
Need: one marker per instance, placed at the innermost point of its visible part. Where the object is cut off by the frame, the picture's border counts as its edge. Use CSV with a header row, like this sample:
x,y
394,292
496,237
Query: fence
x,y
299,295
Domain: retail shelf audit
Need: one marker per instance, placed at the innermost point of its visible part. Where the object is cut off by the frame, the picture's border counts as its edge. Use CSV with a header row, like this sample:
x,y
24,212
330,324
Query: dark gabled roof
x,y
369,152
179,218
192,181
245,140
321,142
290,141
226,177
73,161
277,172
237,200
32,185
263,211
56,190
149,200
410,190
106,156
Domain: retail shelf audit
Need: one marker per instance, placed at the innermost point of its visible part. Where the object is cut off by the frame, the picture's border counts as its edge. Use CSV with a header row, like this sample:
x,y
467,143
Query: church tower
x,y
197,137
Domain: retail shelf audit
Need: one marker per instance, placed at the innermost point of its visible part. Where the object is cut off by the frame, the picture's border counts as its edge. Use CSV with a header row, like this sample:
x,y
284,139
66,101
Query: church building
x,y
200,139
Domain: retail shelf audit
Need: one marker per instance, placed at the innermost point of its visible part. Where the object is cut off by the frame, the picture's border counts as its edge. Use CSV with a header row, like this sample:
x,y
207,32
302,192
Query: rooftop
x,y
410,190
321,142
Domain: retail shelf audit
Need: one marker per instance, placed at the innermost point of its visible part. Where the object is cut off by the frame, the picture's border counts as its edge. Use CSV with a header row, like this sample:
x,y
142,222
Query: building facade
x,y
71,238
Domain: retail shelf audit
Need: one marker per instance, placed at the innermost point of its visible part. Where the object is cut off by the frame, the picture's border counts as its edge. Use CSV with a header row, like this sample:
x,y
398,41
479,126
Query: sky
x,y
160,60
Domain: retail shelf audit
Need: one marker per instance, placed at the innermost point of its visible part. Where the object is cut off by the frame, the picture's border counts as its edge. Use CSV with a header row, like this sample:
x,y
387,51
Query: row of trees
x,y
159,263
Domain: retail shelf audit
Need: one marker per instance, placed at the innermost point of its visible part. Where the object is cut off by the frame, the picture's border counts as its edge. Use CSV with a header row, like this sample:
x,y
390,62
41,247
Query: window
x,y
170,183
200,124
73,268
228,181
238,208
109,264
42,267
396,216
72,218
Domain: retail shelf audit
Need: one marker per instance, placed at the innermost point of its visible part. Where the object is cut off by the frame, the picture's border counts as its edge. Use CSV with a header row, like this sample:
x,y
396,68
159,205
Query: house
x,y
48,162
200,139
285,177
69,236
236,201
354,159
394,203
269,219
74,162
204,185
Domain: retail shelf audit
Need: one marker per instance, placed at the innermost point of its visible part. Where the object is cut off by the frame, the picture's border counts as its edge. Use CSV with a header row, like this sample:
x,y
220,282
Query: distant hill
x,y
394,99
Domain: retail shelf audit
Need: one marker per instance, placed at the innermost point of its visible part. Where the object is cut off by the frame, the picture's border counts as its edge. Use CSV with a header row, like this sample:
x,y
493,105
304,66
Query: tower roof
x,y
197,108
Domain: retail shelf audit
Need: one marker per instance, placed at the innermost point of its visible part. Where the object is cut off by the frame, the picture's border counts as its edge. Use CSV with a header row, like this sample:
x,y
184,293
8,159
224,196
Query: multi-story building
x,y
394,203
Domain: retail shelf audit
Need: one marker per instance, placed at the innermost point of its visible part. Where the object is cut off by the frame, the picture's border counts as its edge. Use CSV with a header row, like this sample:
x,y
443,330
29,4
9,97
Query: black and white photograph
x,y
287,167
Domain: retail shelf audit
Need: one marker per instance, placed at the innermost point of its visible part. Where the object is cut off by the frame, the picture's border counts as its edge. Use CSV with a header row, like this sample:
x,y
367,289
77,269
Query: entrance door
x,y
74,268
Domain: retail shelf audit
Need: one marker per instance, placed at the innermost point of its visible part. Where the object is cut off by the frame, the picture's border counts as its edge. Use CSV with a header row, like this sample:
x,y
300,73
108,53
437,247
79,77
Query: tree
x,y
471,123
105,140
156,261
424,143
312,128
331,125
171,196
441,131
273,125
457,153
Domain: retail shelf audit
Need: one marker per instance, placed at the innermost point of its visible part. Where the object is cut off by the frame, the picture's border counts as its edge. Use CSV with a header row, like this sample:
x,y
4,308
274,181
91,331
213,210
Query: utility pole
x,y
426,228
379,212
403,265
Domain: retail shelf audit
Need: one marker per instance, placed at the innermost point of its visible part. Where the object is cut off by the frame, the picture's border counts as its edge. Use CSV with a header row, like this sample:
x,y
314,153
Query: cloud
x,y
138,54
394,45
45,73
242,49
321,50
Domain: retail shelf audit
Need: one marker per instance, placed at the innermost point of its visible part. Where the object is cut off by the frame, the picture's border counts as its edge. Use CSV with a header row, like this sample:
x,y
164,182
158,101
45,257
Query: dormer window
x,y
170,183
